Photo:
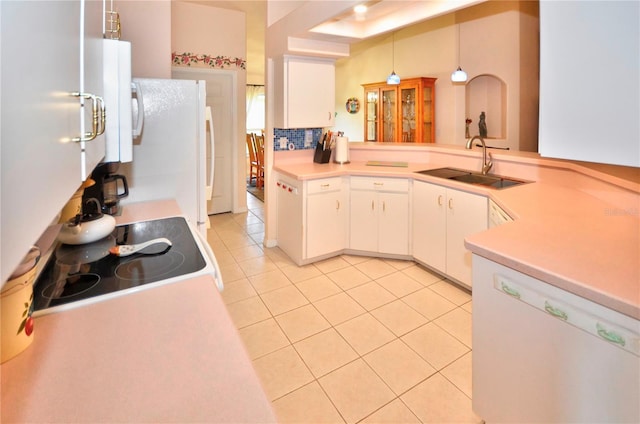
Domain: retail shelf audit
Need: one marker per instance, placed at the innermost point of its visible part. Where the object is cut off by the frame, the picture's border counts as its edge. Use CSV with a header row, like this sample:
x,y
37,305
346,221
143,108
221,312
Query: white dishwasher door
x,y
543,355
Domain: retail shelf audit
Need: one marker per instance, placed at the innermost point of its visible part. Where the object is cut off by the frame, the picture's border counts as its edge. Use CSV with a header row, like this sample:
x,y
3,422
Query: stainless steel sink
x,y
470,177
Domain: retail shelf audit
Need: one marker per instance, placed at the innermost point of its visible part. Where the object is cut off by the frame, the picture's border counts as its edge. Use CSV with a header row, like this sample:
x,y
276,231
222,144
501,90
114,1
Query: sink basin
x,y
469,177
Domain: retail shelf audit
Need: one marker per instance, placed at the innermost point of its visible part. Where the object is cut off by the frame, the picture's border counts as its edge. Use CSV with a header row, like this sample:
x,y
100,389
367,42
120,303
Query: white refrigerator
x,y
169,155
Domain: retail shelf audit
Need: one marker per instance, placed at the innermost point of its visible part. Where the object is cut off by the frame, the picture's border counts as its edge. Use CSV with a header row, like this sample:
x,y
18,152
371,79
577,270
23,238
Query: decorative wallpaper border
x,y
188,59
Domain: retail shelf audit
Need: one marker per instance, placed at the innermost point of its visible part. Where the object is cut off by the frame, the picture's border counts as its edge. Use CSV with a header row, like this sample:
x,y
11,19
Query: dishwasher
x,y
544,355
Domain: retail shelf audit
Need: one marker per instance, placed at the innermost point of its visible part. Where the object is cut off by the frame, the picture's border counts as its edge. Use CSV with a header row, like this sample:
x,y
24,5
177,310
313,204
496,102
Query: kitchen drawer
x,y
380,184
324,185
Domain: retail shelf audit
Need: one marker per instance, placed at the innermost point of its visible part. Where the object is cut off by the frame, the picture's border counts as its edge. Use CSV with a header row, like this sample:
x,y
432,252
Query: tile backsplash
x,y
295,136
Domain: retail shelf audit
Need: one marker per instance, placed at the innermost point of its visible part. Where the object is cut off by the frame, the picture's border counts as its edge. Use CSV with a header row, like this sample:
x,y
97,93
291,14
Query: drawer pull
x,y
558,313
610,335
324,185
508,290
378,184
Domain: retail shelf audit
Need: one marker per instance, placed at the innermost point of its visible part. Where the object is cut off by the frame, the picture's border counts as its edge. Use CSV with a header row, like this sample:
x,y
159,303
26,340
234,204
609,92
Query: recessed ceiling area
x,y
386,15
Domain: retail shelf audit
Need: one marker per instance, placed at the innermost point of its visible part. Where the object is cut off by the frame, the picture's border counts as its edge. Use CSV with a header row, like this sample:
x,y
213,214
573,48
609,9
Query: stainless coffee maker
x,y
108,189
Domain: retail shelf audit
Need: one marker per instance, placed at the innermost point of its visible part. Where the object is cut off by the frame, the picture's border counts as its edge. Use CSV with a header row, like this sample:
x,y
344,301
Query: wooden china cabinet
x,y
400,113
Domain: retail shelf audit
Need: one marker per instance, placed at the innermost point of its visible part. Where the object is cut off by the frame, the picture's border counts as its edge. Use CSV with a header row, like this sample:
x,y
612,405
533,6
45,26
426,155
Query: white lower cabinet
x,y
289,201
327,209
379,215
442,218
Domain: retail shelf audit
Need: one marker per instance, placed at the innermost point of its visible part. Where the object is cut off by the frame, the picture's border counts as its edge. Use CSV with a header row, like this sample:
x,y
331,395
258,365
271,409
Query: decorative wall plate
x,y
353,105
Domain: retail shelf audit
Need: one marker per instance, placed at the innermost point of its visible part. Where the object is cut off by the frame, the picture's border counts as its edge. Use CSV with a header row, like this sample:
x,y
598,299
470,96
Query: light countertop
x,y
572,229
166,354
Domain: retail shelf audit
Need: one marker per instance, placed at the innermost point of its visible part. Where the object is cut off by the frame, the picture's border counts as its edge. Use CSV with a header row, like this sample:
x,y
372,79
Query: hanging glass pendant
x,y
458,75
393,78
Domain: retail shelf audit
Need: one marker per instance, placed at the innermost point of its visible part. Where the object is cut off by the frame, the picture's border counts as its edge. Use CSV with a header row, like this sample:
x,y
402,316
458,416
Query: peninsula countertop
x,y
576,232
165,354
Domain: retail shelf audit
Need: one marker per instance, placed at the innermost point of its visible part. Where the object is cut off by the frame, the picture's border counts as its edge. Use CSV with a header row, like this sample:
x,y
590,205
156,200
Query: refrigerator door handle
x,y
135,89
209,187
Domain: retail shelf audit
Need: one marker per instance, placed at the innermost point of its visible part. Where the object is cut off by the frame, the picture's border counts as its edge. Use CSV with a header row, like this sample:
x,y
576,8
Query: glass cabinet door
x,y
389,117
408,97
371,117
427,115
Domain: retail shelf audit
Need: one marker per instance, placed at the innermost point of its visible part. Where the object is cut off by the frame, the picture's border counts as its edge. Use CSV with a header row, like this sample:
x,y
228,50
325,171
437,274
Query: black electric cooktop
x,y
76,273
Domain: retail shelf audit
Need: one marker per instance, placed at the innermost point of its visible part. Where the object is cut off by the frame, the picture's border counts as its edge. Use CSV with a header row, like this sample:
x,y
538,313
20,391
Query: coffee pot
x,y
108,189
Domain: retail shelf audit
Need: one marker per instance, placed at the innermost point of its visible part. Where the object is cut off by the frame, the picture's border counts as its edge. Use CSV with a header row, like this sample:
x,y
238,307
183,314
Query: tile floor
x,y
349,339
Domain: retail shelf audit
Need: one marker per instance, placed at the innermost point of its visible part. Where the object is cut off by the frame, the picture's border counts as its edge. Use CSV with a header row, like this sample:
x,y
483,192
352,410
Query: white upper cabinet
x,y
589,85
304,92
41,164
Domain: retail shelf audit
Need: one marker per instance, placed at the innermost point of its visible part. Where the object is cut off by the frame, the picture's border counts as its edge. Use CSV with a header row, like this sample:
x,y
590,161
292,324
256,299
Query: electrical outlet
x,y
283,142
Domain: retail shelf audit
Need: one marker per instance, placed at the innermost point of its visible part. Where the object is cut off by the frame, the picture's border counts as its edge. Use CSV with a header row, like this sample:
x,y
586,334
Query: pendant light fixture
x,y
393,78
458,75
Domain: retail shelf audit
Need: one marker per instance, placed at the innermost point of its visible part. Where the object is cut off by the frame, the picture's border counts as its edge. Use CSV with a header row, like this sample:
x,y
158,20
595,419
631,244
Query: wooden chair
x,y
253,159
259,143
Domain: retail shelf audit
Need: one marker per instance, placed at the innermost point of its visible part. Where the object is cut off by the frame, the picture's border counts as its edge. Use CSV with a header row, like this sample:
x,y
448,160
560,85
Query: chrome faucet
x,y
486,165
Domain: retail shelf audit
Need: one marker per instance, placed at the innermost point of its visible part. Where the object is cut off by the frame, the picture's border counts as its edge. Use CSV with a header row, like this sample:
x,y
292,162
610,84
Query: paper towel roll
x,y
342,150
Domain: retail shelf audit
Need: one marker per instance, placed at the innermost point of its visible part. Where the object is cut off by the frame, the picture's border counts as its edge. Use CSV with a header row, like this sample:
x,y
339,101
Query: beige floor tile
x,y
246,252
268,281
421,275
231,271
300,273
452,292
257,228
348,278
278,257
317,288
436,400
468,307
395,412
399,366
233,240
258,238
371,295
356,390
223,256
339,308
399,284
248,311
435,345
235,291
364,333
282,372
355,259
458,324
308,404
283,300
257,266
399,317
302,323
331,264
399,263
375,268
263,338
428,303
459,373
325,352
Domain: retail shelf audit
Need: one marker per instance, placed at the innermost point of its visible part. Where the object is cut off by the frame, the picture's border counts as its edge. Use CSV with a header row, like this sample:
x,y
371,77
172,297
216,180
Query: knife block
x,y
321,155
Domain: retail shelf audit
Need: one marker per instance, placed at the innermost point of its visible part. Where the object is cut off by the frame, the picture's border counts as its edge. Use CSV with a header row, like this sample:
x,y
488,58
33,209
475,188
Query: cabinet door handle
x,y
610,335
337,204
372,205
440,200
451,204
98,116
384,206
329,115
508,290
558,313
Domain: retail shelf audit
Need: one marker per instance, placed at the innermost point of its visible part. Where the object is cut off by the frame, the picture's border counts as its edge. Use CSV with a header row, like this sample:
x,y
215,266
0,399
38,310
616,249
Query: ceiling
x,y
381,16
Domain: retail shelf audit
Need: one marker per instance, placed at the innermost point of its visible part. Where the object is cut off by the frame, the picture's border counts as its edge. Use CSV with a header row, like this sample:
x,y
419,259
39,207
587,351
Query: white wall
x,y
496,38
